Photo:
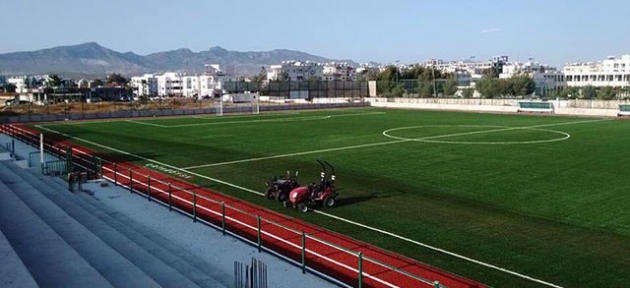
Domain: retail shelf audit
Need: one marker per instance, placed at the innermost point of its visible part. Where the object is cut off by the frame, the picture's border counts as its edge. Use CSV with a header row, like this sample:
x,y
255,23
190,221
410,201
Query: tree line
x,y
429,82
591,92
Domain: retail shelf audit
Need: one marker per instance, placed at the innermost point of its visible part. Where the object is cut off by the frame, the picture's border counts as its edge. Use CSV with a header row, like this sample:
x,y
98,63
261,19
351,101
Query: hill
x,y
94,59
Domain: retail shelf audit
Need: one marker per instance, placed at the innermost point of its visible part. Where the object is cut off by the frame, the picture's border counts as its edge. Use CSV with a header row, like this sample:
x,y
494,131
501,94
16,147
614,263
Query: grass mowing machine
x,y
279,187
314,195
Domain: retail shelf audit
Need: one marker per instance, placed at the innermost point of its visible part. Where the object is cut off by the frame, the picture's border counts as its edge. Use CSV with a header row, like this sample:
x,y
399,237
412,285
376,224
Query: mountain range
x,y
94,59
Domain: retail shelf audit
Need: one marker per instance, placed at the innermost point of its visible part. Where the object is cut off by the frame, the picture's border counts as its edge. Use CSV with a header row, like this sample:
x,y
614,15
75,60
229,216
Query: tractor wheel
x,y
282,196
329,202
269,193
302,207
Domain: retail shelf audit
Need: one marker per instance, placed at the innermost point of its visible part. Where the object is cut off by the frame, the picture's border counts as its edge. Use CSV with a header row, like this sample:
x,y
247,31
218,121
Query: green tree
x,y
589,92
425,88
371,75
261,76
117,78
618,92
450,86
552,94
284,76
9,88
97,83
53,81
386,80
606,93
491,72
488,87
413,72
504,87
398,91
468,92
522,85
569,93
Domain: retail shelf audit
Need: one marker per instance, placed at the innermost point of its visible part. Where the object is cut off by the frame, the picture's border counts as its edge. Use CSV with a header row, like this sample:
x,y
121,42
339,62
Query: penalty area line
x,y
146,123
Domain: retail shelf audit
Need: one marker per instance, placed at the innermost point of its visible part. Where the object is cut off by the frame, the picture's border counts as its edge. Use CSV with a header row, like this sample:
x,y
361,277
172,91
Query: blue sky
x,y
551,31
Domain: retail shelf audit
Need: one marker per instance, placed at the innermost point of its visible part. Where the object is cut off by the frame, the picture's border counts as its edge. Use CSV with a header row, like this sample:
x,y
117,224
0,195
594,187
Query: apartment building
x,y
339,72
178,84
145,85
295,71
612,71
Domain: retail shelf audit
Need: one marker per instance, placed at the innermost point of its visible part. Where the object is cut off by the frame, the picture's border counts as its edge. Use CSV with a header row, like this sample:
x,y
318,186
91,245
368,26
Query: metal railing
x,y
311,253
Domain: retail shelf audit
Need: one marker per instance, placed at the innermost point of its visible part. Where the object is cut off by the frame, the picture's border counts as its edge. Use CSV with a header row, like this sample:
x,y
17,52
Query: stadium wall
x,y
574,107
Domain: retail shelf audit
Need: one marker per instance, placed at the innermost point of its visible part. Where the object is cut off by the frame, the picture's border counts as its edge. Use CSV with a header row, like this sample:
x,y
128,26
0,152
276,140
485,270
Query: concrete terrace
x,y
108,237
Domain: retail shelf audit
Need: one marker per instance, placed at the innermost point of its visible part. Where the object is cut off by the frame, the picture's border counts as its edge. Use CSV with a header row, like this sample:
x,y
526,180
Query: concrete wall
x,y
481,105
563,107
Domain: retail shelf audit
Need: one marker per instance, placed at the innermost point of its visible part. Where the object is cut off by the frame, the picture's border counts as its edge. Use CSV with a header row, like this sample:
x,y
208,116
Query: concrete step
x,y
13,273
70,202
201,271
114,267
160,272
196,269
49,258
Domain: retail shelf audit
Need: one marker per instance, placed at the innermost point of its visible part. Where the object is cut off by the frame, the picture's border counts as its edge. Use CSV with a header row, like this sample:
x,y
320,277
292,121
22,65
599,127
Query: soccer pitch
x,y
545,197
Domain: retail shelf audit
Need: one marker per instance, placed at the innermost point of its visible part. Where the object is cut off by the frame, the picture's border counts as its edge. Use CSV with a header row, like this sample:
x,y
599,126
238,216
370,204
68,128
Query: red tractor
x,y
314,195
279,187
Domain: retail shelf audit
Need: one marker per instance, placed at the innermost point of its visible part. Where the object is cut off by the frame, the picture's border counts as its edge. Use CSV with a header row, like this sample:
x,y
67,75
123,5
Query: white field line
x,y
440,250
146,123
244,116
386,143
290,119
291,244
350,221
251,121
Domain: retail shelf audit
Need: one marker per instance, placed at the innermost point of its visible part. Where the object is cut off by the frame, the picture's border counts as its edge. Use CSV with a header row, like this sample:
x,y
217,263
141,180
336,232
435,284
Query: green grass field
x,y
546,197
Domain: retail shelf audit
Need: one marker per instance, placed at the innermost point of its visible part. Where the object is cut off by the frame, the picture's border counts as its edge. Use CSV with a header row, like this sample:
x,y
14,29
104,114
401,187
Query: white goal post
x,y
239,100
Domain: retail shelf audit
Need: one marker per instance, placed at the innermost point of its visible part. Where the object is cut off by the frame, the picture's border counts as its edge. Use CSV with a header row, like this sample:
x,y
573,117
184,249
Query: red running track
x,y
328,252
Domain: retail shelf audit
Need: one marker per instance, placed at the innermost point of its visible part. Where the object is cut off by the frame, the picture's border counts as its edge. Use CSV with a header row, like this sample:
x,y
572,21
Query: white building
x,y
610,72
368,68
339,72
204,85
169,84
467,72
19,82
295,71
145,85
177,84
547,78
